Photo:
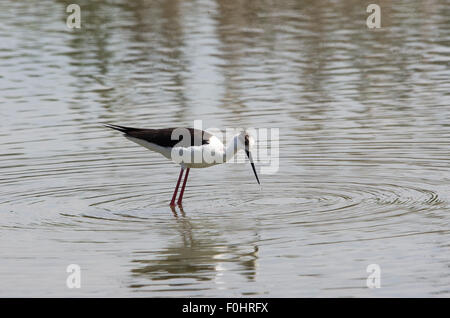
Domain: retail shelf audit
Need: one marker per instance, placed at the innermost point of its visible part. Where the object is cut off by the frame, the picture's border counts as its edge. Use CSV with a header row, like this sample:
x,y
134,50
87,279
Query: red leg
x,y
172,203
180,198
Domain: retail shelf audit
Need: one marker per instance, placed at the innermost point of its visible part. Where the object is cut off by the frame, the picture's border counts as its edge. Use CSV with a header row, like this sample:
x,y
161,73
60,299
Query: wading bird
x,y
191,148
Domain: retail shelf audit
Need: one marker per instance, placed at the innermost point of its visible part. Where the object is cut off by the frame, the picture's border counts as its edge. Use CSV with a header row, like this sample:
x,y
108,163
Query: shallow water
x,y
364,121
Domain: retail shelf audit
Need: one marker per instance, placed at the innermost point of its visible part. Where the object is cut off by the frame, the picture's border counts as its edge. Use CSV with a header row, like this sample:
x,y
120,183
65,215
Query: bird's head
x,y
246,141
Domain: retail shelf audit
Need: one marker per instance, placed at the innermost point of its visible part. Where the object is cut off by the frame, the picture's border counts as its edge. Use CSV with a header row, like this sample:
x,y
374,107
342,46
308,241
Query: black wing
x,y
167,137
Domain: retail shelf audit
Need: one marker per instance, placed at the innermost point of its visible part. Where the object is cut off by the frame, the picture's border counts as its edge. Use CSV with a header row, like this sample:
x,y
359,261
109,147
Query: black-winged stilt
x,y
197,150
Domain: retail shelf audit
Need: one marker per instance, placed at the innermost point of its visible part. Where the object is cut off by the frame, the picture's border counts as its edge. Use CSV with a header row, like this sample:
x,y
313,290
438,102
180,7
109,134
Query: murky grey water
x,y
364,174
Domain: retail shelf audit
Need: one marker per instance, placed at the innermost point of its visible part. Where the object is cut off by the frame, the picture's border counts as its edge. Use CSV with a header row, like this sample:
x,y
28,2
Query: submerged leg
x,y
180,198
172,203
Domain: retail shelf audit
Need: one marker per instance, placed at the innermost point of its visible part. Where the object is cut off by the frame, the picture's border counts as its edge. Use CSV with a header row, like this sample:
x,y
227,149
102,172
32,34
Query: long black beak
x,y
249,155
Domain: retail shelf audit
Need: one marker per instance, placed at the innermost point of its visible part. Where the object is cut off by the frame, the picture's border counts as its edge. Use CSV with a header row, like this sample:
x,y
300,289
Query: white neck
x,y
231,149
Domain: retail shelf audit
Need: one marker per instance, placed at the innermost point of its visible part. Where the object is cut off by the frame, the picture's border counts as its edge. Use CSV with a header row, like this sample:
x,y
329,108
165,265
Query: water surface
x,y
364,119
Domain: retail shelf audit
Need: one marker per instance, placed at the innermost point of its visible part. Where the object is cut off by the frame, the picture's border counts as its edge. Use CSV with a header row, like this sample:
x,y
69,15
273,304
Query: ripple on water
x,y
364,144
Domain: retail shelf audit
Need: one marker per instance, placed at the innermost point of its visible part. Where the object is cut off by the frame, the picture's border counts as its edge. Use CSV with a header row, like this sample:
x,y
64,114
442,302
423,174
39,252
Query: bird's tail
x,y
119,128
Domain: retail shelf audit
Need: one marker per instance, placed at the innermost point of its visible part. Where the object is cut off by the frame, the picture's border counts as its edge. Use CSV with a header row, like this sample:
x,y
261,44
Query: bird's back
x,y
167,137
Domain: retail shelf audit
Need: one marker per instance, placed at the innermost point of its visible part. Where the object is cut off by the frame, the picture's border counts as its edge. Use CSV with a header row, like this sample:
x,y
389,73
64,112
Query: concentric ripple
x,y
364,130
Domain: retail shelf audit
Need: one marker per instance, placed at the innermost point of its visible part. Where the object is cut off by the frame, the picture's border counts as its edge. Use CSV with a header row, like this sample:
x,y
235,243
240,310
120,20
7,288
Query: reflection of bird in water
x,y
200,255
197,142
175,214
